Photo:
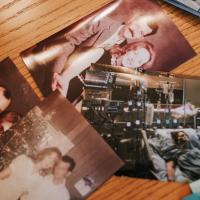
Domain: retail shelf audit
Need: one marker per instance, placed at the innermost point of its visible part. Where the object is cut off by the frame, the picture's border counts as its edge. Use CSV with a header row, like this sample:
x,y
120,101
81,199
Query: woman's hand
x,y
60,84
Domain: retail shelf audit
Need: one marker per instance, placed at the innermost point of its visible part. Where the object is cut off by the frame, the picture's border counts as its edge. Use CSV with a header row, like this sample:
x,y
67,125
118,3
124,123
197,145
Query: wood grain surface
x,y
24,23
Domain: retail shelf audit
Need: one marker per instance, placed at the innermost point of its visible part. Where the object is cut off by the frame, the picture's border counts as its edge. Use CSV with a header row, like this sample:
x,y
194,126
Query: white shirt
x,y
22,178
46,189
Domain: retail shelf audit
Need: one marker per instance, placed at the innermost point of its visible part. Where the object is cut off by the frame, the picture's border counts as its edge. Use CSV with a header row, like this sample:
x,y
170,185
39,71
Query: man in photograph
x,y
184,153
53,186
125,33
95,43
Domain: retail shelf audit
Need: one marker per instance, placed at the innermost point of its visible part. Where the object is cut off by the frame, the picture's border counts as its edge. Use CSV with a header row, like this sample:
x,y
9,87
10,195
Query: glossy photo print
x,y
96,65
16,98
128,33
54,154
151,120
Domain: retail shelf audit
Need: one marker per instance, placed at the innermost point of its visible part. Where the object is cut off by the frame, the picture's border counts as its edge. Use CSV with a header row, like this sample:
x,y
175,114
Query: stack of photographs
x,y
150,119
16,99
107,109
106,66
54,154
192,6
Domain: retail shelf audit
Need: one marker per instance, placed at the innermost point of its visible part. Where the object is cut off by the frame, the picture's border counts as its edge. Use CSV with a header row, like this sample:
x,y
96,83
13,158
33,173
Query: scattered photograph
x,y
54,154
16,98
128,33
150,119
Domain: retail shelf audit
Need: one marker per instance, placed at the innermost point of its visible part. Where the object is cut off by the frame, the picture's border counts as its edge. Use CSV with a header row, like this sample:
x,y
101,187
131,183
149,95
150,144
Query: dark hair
x,y
6,92
38,157
174,135
116,49
154,26
9,116
69,160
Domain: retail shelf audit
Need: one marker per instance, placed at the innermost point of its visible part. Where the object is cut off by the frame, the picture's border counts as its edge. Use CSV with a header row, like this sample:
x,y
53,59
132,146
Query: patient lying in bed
x,y
176,155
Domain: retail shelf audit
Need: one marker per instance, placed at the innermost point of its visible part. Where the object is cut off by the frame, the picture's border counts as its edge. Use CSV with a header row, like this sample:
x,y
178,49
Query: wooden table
x,y
24,23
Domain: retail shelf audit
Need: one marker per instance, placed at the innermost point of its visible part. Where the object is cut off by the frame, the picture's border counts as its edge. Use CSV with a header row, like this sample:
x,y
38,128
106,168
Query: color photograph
x,y
54,154
107,65
127,33
150,119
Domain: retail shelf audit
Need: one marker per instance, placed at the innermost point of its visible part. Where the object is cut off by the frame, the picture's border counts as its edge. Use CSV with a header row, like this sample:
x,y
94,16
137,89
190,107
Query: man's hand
x,y
60,84
170,168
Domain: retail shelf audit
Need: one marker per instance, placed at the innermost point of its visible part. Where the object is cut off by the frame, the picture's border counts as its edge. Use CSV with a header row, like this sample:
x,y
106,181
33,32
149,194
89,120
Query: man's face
x,y
61,169
136,58
182,137
136,30
4,102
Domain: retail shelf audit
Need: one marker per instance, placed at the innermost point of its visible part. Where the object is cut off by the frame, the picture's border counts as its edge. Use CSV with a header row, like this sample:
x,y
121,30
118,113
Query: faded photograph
x,y
54,154
132,34
16,98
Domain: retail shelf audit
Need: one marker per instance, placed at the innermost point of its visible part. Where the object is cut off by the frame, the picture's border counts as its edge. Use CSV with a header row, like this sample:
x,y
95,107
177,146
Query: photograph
x,y
129,33
16,98
150,119
54,154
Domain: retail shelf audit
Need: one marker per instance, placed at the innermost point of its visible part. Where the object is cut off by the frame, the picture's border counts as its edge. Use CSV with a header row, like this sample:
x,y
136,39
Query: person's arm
x,y
73,39
170,170
81,63
5,173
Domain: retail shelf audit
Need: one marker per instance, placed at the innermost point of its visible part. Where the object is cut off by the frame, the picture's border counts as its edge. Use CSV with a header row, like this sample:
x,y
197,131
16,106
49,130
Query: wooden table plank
x,y
24,27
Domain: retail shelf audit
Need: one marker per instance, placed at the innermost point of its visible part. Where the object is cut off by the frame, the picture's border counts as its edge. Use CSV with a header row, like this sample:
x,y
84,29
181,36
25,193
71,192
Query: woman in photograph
x,y
25,172
53,186
184,153
125,34
133,55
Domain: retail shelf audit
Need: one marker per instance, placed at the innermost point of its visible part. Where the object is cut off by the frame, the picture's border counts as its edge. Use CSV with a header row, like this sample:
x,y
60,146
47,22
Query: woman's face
x,y
182,137
137,30
135,58
49,161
